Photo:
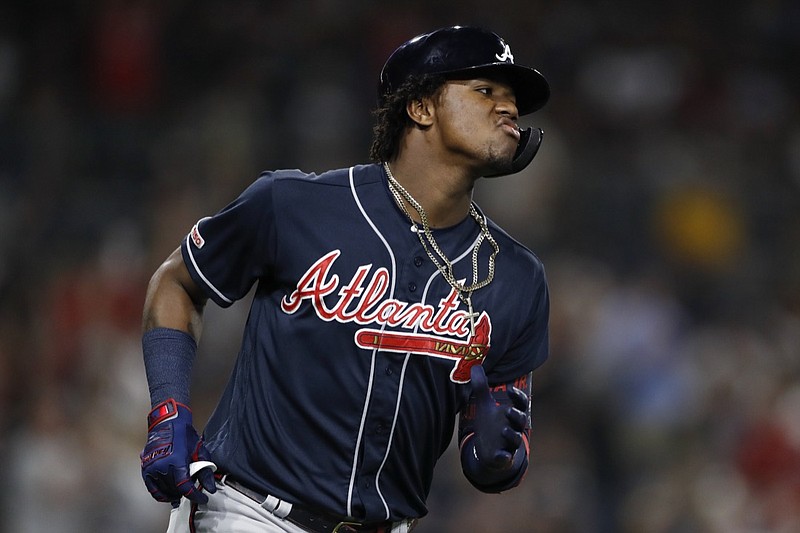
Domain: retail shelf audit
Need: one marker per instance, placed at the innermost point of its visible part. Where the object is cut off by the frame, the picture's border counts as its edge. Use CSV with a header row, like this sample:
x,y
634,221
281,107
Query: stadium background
x,y
665,204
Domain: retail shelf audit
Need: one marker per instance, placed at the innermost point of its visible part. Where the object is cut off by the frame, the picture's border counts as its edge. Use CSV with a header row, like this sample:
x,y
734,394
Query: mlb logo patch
x,y
197,239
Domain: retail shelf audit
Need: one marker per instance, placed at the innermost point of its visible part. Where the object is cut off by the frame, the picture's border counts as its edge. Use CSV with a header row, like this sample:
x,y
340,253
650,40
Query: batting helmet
x,y
464,50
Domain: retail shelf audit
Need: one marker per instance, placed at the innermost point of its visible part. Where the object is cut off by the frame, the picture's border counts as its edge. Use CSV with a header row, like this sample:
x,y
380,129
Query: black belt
x,y
315,521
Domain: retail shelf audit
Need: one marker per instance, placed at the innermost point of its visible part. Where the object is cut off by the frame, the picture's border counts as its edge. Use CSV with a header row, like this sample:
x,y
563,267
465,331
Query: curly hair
x,y
391,118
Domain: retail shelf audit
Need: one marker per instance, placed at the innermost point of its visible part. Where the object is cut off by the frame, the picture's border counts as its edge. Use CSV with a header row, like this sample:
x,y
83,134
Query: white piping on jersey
x,y
373,361
391,433
200,272
402,379
354,467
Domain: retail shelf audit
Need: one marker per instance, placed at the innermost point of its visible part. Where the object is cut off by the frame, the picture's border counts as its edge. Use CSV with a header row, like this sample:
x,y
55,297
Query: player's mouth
x,y
508,126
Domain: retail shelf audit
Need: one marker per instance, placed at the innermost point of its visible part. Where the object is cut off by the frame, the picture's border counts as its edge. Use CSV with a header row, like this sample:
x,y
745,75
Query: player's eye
x,y
485,90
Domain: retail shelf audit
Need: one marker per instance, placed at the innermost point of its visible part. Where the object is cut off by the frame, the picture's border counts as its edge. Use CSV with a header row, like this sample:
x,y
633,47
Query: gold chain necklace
x,y
446,269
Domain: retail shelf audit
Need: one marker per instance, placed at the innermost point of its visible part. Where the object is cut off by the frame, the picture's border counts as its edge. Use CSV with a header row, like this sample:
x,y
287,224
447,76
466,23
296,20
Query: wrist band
x,y
168,357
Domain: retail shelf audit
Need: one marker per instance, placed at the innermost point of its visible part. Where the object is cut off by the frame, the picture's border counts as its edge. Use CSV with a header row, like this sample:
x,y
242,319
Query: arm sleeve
x,y
466,432
226,253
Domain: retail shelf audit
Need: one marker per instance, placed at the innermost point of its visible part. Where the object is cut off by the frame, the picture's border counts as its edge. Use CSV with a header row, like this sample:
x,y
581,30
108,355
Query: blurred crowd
x,y
665,204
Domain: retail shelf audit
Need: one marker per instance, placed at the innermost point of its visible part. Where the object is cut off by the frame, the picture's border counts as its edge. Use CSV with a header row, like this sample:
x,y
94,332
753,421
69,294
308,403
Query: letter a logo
x,y
506,55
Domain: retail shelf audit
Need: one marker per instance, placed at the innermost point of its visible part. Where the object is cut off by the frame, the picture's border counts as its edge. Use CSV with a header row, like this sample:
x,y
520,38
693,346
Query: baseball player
x,y
388,306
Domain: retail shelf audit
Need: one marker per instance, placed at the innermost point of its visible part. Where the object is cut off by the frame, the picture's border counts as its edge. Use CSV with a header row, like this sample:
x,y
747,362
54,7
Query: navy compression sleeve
x,y
168,357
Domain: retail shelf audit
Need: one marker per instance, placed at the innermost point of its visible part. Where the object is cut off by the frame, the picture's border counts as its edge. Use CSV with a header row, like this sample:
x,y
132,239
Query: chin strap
x,y
526,150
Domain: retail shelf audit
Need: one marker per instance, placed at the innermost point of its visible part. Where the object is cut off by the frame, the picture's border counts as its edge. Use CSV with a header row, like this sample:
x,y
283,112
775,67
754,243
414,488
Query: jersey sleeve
x,y
227,252
531,347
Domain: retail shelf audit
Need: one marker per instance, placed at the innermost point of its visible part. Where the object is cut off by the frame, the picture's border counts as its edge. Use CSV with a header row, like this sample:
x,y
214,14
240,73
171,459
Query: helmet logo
x,y
506,55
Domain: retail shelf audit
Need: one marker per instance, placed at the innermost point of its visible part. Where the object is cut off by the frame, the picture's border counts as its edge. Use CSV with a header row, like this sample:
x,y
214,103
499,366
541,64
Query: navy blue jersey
x,y
355,358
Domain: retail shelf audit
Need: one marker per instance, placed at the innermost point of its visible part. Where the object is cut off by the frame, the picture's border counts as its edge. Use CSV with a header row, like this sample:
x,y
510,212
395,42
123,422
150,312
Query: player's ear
x,y
421,111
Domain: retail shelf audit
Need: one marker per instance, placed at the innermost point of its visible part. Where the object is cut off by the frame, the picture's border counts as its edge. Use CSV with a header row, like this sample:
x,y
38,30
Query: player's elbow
x,y
173,299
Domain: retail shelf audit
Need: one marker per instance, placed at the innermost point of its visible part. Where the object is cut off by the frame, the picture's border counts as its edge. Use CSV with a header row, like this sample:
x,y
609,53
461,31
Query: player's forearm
x,y
172,322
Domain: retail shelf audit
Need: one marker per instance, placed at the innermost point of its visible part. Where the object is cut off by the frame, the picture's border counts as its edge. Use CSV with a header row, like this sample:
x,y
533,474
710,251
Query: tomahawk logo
x,y
465,354
442,331
506,55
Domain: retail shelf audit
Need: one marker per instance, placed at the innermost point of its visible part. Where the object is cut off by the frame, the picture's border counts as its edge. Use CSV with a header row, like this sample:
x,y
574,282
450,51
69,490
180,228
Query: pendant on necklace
x,y
471,314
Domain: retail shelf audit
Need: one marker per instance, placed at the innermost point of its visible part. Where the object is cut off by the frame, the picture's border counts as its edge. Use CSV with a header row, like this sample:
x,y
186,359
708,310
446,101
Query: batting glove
x,y
491,455
172,444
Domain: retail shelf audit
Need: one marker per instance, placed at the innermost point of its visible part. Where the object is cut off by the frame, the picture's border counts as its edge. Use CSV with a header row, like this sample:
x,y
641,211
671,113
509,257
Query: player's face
x,y
477,122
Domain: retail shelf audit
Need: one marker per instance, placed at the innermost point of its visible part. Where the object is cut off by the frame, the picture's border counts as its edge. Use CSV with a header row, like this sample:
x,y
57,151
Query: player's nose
x,y
507,107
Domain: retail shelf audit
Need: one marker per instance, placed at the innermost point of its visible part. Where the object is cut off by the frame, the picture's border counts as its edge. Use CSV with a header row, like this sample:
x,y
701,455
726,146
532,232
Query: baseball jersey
x,y
355,357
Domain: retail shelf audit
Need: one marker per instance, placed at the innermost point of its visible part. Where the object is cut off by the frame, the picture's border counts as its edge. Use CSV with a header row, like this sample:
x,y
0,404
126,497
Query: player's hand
x,y
172,444
498,428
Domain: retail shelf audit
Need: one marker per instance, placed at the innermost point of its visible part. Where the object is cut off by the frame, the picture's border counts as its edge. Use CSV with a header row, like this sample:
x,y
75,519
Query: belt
x,y
310,520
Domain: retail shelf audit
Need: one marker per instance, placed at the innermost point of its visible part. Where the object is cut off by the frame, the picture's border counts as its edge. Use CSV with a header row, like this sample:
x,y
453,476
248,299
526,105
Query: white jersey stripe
x,y
402,380
374,352
189,245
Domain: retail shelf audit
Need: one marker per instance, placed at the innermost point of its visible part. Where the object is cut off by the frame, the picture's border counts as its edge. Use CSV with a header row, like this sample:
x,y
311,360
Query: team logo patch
x,y
197,239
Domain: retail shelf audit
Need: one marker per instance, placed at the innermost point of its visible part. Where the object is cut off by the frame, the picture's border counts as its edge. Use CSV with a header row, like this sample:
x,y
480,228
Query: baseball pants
x,y
229,510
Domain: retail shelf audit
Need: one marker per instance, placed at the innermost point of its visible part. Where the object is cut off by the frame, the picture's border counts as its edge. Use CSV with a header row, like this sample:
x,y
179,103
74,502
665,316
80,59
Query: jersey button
x,y
412,286
418,261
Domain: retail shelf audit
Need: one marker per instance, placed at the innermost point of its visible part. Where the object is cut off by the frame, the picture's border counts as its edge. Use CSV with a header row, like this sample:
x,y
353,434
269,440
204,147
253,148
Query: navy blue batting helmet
x,y
464,50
